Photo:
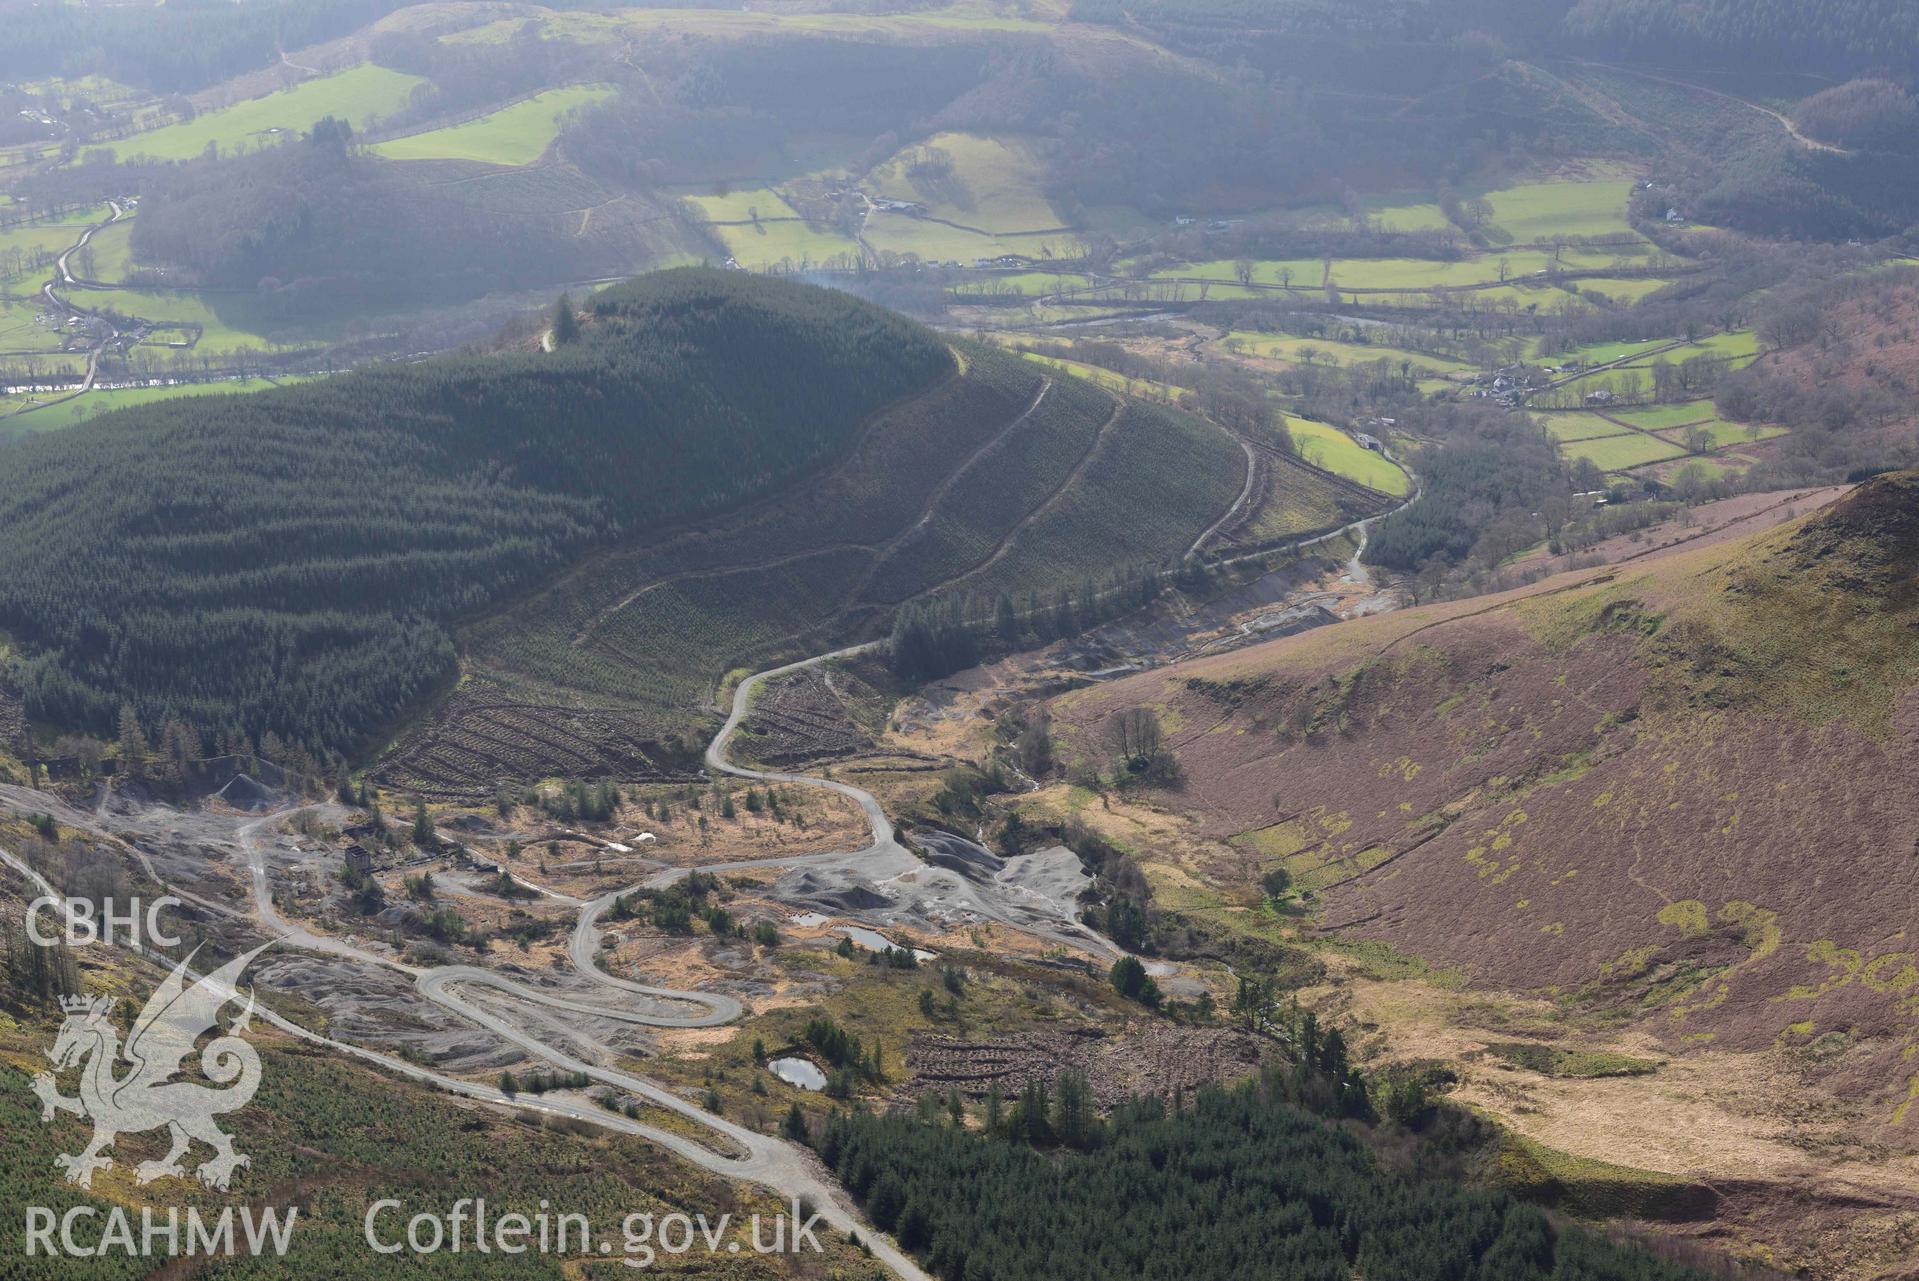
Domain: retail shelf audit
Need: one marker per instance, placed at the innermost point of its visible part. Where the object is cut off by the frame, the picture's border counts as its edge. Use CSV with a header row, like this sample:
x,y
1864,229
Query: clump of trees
x,y
1139,743
1130,979
37,976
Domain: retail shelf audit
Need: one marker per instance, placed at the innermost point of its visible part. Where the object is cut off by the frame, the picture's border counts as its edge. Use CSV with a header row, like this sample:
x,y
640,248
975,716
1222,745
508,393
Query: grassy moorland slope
x,y
1678,794
320,538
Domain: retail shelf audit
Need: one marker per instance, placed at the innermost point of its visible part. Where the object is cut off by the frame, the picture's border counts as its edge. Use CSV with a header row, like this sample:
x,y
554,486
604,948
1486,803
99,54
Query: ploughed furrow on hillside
x,y
1156,480
874,493
1001,489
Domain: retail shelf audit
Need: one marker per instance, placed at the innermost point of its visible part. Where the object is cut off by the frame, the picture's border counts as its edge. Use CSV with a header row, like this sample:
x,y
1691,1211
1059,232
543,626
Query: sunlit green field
x,y
1420,273
1615,257
20,330
95,403
936,242
1723,433
985,183
1029,283
764,245
1659,416
1740,343
1538,211
1571,426
1332,449
20,245
742,206
108,255
1299,273
166,307
1607,353
1614,453
359,95
1407,217
1309,350
515,135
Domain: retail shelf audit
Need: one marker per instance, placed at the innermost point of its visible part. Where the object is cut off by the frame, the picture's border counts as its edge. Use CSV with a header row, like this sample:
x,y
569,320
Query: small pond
x,y
801,1072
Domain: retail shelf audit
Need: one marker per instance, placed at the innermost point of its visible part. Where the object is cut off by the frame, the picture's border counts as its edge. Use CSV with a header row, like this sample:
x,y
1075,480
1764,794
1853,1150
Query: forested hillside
x,y
319,538
1837,35
172,47
1244,1183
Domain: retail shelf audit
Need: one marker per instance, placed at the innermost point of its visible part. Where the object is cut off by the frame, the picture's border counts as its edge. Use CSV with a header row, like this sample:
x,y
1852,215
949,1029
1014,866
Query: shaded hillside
x,y
1683,793
318,539
315,228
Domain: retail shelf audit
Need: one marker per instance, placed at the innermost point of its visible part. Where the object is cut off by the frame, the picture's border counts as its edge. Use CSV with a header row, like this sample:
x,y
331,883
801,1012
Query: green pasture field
x,y
1407,217
991,185
764,245
112,254
1738,344
95,403
1423,273
738,206
1307,273
1333,450
18,245
1713,467
170,307
1289,348
21,331
1026,283
514,135
936,242
1607,353
1538,211
1658,417
1724,433
75,218
1568,427
1616,453
359,95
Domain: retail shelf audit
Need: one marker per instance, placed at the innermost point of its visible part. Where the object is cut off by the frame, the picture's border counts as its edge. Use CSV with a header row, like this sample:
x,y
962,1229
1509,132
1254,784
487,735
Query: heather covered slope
x,y
1682,793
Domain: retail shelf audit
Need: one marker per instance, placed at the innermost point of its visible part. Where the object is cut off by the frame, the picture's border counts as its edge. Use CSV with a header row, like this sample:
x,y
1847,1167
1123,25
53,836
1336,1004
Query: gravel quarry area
x,y
235,857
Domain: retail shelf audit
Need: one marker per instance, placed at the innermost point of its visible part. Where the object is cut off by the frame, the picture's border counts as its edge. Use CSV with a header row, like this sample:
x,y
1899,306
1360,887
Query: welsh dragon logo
x,y
146,1097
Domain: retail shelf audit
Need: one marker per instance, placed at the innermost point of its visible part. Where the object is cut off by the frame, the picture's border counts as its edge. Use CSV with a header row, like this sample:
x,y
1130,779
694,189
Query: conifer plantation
x,y
320,538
